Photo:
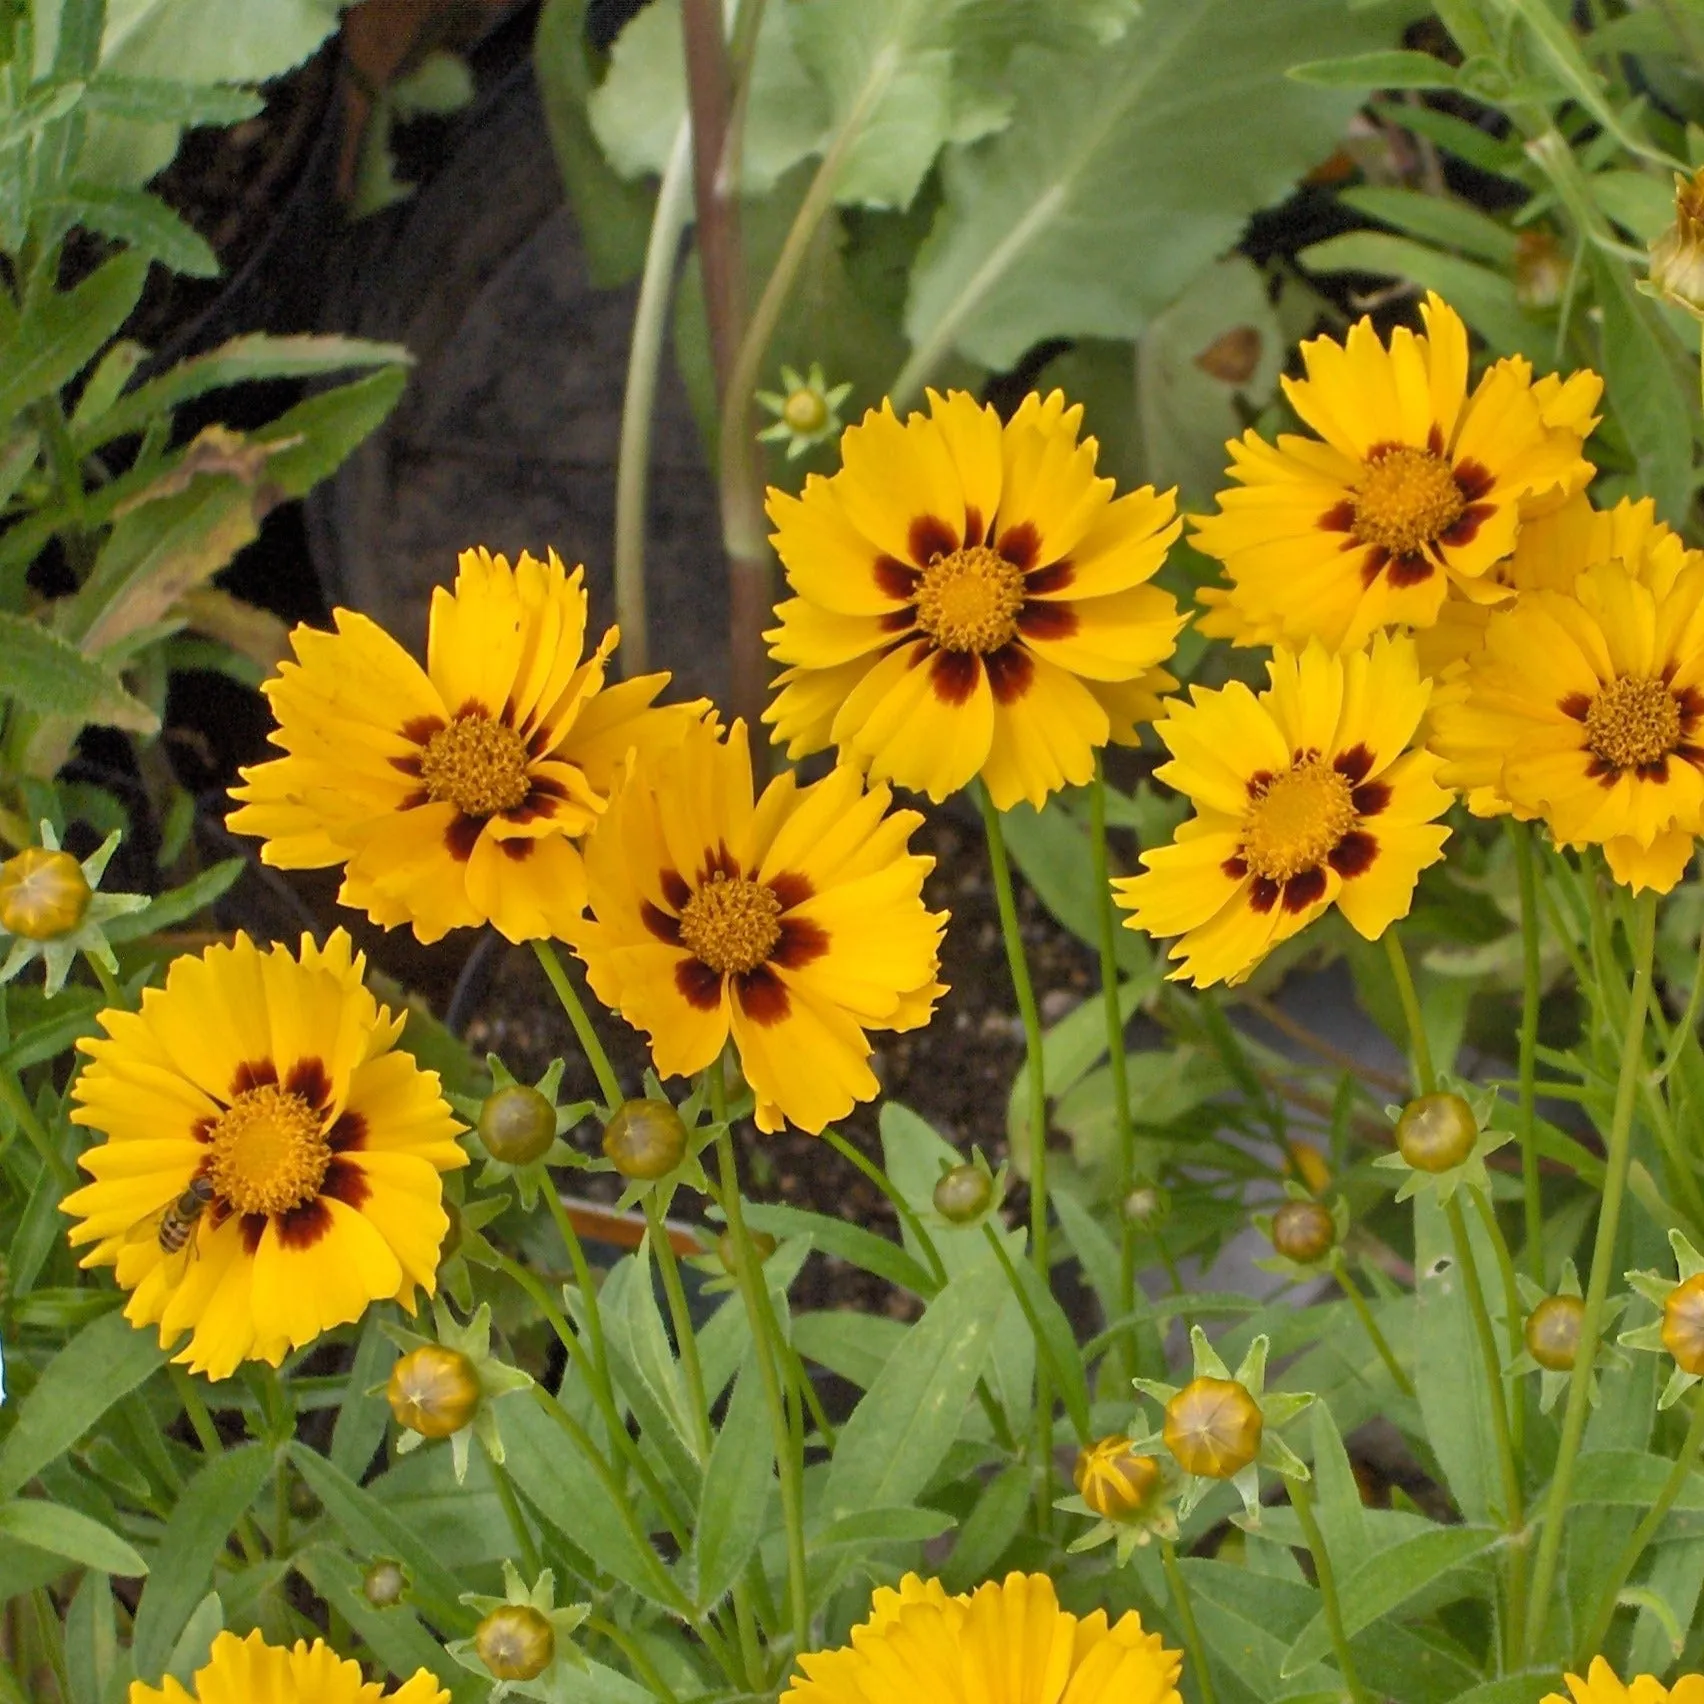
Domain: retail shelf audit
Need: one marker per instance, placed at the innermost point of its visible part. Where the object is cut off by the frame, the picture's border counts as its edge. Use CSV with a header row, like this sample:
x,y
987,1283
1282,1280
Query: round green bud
x,y
384,1583
515,1642
1553,1332
963,1194
644,1139
1146,1206
727,1250
1303,1231
517,1125
1436,1132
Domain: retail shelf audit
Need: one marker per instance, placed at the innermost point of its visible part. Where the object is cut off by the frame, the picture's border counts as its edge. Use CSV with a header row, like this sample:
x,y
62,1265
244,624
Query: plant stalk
x,y
1301,1500
1186,1622
1425,1078
1526,873
584,1033
1346,1282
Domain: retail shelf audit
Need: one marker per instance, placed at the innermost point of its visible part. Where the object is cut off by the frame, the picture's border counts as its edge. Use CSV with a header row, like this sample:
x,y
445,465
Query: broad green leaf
x,y
105,1361
1386,1581
869,1529
143,221
645,1367
888,1451
1092,210
1393,69
994,1521
737,1491
1097,1254
162,100
196,1640
1630,1477
50,677
69,1533
855,1345
194,1538
1436,219
1056,1341
847,1242
61,331
1342,1518
1642,202
1248,1619
1673,1586
361,1417
326,428
1528,1687
92,1656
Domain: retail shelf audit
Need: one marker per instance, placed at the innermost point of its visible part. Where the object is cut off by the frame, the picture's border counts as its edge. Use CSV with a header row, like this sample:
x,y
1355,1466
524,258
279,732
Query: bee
x,y
173,1227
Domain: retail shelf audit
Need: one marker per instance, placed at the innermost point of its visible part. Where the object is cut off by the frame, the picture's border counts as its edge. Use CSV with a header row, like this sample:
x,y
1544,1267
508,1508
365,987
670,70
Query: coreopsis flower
x,y
453,795
272,1159
1412,486
969,599
1443,1140
250,1671
1127,1495
51,909
1305,797
795,923
1677,256
1585,707
1008,1639
1603,1685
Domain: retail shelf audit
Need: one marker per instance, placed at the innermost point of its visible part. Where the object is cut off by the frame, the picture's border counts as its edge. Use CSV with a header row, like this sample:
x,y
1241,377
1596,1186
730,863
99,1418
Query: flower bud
x,y
805,410
1677,256
515,1642
1436,1132
384,1583
434,1391
645,1139
1541,269
1303,1231
43,894
963,1194
1114,1480
1310,1165
1683,1325
1145,1206
1213,1428
1553,1332
728,1251
517,1125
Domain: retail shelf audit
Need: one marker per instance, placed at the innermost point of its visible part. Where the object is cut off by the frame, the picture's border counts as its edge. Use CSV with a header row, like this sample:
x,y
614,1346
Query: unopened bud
x,y
1145,1206
728,1251
1436,1132
517,1125
1683,1325
434,1391
43,894
1541,269
805,410
1213,1428
1677,256
1303,1231
1114,1480
384,1583
515,1642
1311,1166
1553,1332
963,1194
645,1139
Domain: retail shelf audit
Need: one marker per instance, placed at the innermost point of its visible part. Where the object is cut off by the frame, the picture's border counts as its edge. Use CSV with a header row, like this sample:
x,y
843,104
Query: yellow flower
x,y
1603,1685
1417,487
969,600
796,924
250,1671
1008,1642
1305,797
453,795
1585,706
259,1101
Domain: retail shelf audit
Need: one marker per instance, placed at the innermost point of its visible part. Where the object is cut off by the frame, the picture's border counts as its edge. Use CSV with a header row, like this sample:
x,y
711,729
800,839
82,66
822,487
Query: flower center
x,y
1633,722
731,923
268,1152
1297,820
477,765
969,601
1407,497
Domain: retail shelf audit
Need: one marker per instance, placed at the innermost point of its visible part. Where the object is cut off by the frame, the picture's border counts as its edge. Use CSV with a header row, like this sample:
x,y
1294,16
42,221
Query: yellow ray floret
x,y
250,1671
1305,797
1008,1642
969,599
1602,1685
794,922
1412,488
271,1162
453,795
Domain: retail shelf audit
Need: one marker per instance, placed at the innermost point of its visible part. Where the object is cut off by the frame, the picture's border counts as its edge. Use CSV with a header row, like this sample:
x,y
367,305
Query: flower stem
x,y
901,1206
765,1334
1686,1023
1346,1282
1620,1150
1018,965
1186,1622
1301,1500
686,1339
1526,875
641,1664
517,1521
18,1104
608,1083
1424,1076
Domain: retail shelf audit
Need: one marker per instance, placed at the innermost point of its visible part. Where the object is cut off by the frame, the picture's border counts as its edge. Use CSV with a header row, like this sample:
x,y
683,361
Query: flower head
x,y
1442,1140
806,410
1677,256
524,1641
917,1636
794,923
1306,797
50,907
1550,1339
1306,1233
1603,1685
521,1129
1417,486
970,600
250,1671
1127,1494
453,795
266,1091
1678,1331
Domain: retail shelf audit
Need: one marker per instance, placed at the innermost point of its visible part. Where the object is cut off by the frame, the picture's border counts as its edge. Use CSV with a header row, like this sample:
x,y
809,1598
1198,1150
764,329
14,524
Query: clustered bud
x,y
43,894
644,1139
963,1194
1683,1324
1114,1481
517,1124
1303,1231
1436,1133
1213,1428
515,1642
434,1391
1553,1332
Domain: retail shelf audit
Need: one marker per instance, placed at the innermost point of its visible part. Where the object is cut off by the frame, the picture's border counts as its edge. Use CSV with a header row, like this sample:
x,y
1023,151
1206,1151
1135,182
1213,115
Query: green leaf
x,y
195,1536
1051,847
92,1657
1392,69
196,1640
897,1436
1046,230
1436,219
1632,1478
737,1489
852,1344
143,221
179,904
1385,1582
1342,1517
51,677
1528,1687
106,1360
70,1533
1097,1254
645,1366
330,426
864,1249
61,331
360,1427
158,100
870,1529
995,1520
1056,1341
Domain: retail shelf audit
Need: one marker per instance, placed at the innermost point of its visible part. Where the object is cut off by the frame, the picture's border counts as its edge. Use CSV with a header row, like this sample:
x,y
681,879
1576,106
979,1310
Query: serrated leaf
x,y
64,1531
143,221
737,1489
51,677
61,331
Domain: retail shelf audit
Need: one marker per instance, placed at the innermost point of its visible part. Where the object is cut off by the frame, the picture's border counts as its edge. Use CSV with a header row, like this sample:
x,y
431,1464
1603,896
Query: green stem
x,y
1532,989
765,1333
901,1206
281,1505
1301,1500
686,1339
207,1435
1035,1065
1346,1282
1043,1347
1686,1023
634,1652
110,985
529,1556
1186,1622
1620,1151
1513,1313
1646,1529
608,1082
1424,1076
18,1104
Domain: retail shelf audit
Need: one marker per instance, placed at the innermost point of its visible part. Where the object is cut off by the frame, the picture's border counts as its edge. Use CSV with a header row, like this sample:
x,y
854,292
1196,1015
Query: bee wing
x,y
147,1228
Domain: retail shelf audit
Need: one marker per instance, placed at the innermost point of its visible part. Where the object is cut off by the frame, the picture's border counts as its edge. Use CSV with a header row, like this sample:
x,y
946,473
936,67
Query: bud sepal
x,y
1678,1329
806,410
1454,1099
529,1175
558,1657
23,913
